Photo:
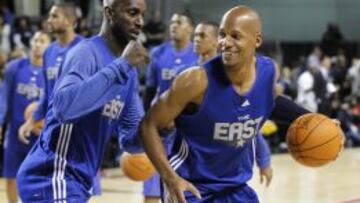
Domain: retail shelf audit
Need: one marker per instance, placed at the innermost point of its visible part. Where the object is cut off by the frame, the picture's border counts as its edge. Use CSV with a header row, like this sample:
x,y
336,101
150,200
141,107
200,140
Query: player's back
x,y
69,153
214,147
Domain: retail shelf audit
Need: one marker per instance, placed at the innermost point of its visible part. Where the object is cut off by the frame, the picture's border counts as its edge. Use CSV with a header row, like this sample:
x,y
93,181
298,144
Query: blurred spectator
x,y
331,40
22,33
6,13
306,96
313,61
289,87
338,74
354,77
2,65
83,28
4,36
323,87
154,30
44,25
17,53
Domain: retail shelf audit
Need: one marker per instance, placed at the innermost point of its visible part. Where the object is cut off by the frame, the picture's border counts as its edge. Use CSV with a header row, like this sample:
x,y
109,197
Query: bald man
x,y
218,109
95,96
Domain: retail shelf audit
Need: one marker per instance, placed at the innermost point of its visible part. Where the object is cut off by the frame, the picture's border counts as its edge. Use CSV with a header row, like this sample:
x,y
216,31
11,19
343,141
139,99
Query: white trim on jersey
x,y
180,157
58,180
175,163
254,147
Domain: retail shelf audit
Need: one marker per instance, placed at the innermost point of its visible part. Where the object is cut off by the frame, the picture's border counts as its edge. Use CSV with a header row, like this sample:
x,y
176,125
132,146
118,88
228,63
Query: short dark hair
x,y
214,25
68,8
188,16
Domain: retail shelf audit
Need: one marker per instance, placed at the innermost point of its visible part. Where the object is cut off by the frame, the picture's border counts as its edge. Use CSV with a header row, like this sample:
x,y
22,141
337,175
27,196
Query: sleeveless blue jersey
x,y
166,63
53,57
92,99
214,148
22,85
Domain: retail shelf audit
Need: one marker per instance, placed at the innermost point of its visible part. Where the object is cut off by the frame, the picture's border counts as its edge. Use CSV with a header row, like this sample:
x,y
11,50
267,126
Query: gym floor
x,y
337,182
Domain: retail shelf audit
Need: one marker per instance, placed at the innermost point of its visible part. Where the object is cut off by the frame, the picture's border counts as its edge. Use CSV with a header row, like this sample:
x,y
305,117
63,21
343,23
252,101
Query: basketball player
x,y
23,84
166,59
62,19
218,108
205,45
96,95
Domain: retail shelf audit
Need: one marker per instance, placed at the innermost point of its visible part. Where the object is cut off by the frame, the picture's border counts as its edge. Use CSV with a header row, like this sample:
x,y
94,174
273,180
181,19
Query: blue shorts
x,y
36,181
12,162
14,153
151,187
241,194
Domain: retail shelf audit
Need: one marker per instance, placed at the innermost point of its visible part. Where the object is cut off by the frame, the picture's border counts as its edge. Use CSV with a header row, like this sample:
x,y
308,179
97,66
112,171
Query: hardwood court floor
x,y
338,182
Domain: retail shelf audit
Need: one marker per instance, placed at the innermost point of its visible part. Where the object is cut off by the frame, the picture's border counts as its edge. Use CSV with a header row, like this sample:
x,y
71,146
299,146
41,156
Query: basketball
x,y
137,167
314,140
27,114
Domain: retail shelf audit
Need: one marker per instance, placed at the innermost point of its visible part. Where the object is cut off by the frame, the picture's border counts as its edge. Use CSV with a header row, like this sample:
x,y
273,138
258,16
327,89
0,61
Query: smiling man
x,y
96,95
218,109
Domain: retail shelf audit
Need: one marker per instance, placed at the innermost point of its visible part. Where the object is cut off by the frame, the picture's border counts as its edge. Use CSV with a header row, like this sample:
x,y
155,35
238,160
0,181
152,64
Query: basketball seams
x,y
318,150
311,131
319,145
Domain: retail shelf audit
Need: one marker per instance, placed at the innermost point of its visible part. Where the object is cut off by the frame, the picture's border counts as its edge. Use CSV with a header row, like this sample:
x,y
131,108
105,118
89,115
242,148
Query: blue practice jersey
x,y
53,57
96,95
166,62
215,147
23,83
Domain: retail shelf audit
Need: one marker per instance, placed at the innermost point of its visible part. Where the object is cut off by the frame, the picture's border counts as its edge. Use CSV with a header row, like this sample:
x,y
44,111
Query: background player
x,y
166,59
92,99
61,20
23,84
219,109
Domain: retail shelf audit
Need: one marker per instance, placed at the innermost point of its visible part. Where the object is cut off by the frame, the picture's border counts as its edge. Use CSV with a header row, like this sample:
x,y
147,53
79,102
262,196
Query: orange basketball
x,y
27,114
314,140
137,167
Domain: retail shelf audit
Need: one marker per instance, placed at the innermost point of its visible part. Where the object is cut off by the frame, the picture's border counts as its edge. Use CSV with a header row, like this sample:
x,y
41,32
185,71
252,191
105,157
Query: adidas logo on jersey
x,y
245,104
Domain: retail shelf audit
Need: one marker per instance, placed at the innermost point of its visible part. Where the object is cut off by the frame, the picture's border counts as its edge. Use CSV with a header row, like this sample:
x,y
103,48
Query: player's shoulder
x,y
192,78
160,49
15,64
265,60
84,49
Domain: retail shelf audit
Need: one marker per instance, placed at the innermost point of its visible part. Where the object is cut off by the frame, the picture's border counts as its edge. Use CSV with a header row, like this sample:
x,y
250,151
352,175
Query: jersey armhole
x,y
203,102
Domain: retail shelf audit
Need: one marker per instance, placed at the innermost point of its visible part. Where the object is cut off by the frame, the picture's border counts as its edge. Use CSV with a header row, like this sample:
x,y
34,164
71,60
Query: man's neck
x,y
111,42
242,76
36,60
66,37
206,56
181,44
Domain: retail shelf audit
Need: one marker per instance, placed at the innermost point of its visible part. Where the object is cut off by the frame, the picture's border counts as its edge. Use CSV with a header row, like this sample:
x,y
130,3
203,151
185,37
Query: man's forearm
x,y
155,150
